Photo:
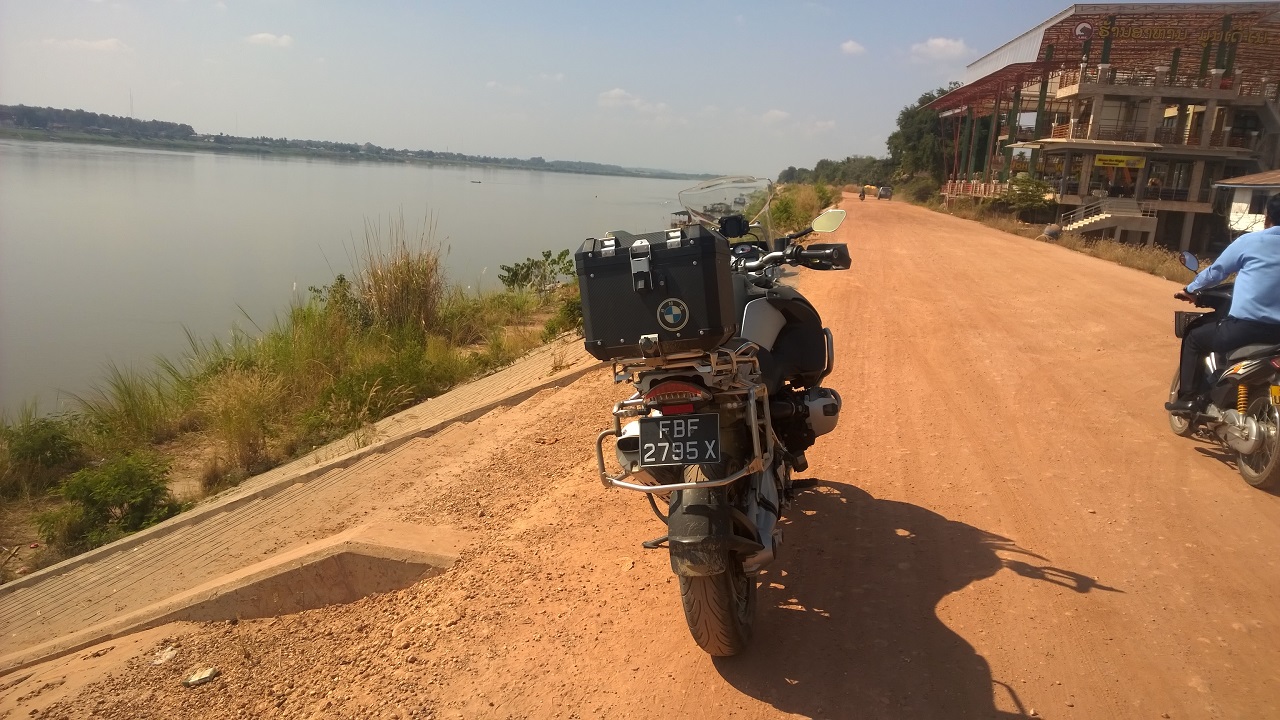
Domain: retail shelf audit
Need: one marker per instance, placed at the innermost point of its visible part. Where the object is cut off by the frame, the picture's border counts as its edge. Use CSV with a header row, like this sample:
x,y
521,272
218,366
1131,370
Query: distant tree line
x,y
916,152
79,121
82,121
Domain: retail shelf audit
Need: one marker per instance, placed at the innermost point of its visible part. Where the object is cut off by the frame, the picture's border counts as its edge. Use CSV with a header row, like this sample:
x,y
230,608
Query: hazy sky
x,y
713,86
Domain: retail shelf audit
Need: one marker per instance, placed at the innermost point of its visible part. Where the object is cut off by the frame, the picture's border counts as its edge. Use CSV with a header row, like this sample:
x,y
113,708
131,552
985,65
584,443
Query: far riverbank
x,y
281,147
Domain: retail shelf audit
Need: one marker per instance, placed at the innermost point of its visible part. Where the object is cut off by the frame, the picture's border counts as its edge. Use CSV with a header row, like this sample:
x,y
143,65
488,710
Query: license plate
x,y
680,440
1275,395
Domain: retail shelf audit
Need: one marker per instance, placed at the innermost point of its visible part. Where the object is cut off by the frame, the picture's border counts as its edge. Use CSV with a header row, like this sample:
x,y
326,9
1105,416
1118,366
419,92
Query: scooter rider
x,y
862,193
1255,306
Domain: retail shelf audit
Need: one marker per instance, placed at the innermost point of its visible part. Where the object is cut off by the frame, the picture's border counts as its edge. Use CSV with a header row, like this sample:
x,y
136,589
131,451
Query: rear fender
x,y
699,531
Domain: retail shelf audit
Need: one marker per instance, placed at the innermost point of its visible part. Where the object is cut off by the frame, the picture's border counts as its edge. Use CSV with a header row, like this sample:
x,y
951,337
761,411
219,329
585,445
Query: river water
x,y
106,254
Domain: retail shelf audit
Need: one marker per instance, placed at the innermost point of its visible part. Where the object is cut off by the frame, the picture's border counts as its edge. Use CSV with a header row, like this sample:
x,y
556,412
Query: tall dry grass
x,y
1154,259
346,355
401,282
240,407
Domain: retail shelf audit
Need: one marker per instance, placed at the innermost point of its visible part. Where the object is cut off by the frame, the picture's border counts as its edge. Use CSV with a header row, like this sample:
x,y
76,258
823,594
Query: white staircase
x,y
1110,214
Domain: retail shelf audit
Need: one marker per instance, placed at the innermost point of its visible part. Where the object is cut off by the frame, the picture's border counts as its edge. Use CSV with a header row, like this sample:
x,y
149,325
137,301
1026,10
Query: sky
x,y
717,86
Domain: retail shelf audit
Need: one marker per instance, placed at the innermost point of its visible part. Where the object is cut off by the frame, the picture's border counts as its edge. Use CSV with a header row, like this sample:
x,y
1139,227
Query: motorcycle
x,y
1242,413
716,426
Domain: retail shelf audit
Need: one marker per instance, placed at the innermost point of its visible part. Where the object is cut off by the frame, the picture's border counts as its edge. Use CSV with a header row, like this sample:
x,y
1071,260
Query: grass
x,y
348,354
1153,259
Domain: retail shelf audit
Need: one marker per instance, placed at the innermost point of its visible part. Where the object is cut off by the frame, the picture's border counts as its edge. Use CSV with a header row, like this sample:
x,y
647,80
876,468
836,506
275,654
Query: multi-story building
x,y
1131,112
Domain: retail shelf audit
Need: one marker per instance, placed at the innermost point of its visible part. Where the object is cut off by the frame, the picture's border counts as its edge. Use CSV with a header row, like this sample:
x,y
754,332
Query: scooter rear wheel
x,y
1261,469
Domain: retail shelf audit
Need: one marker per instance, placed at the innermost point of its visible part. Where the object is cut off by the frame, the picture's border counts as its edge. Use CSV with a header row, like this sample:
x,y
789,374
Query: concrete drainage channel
x,y
365,560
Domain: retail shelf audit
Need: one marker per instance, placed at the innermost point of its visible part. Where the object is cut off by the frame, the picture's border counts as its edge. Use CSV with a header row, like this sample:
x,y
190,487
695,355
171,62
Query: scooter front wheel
x,y
1179,424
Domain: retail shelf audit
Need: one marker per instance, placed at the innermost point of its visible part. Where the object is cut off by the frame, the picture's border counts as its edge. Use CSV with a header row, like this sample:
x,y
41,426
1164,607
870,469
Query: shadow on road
x,y
846,625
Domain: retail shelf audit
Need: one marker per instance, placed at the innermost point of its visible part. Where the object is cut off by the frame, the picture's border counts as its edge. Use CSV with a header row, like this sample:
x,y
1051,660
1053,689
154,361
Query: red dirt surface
x,y
1001,526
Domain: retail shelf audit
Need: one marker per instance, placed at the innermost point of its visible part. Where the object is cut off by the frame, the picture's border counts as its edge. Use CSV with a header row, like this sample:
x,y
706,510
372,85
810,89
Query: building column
x,y
1207,122
1183,122
1197,177
1188,225
966,132
1012,122
1095,115
1066,172
1140,190
1155,116
973,145
1033,166
991,141
1086,170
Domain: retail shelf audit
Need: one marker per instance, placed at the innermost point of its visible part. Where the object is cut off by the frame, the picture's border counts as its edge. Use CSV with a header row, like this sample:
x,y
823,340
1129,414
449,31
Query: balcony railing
x,y
1126,133
966,188
1244,85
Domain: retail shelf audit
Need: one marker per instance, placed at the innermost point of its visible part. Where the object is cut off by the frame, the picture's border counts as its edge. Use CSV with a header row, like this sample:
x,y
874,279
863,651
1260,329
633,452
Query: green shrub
x,y
919,189
120,496
34,452
826,195
539,274
794,208
1027,198
568,315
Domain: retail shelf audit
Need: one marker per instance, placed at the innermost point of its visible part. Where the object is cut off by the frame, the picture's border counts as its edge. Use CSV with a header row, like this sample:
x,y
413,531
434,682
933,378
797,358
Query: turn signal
x,y
676,392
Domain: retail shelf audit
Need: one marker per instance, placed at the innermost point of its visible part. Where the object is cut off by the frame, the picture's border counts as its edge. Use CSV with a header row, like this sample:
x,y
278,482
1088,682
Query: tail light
x,y
676,397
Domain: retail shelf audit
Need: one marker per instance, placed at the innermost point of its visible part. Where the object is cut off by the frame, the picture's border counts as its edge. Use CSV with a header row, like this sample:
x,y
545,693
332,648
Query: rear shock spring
x,y
1242,398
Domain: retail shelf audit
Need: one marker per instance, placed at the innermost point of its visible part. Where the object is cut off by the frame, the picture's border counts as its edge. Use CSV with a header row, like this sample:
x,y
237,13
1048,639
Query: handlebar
x,y
769,260
818,257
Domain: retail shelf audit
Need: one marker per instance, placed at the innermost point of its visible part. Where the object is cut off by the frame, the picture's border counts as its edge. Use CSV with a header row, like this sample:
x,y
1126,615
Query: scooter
x,y
1242,413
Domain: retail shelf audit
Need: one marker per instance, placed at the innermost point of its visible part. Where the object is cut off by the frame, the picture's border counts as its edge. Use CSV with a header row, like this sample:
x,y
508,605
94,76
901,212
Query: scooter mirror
x,y
1189,261
828,221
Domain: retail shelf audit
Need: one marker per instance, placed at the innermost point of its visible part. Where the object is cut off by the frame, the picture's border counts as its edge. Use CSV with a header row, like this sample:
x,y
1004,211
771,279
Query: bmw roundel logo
x,y
673,314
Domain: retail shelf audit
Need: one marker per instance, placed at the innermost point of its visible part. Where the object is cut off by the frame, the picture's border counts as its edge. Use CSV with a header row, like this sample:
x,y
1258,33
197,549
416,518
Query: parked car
x,y
885,193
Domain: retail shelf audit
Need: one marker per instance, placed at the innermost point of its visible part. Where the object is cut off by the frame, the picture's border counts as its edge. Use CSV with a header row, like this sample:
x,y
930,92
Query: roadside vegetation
x,y
352,352
914,167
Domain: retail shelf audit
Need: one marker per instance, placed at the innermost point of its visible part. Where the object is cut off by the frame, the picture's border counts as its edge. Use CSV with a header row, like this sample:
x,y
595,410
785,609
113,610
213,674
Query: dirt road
x,y
1001,526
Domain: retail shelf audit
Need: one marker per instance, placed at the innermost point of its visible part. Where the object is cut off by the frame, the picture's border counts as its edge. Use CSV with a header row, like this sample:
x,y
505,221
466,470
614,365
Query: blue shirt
x,y
1256,257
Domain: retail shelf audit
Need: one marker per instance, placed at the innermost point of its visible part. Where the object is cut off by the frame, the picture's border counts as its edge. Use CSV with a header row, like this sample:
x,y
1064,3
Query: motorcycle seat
x,y
1249,352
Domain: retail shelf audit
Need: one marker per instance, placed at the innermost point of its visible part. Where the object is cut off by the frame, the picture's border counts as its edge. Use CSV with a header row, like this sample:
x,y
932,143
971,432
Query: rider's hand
x,y
1184,295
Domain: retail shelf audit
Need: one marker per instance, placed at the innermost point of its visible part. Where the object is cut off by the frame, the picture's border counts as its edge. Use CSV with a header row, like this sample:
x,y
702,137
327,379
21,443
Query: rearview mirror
x,y
1189,261
733,226
828,221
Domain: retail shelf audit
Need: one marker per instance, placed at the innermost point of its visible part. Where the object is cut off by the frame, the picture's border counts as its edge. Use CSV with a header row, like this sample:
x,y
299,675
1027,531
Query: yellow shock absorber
x,y
1242,399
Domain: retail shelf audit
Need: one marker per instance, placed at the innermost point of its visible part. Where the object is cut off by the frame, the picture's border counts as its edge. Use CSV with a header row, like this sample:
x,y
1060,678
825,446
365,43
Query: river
x,y
107,253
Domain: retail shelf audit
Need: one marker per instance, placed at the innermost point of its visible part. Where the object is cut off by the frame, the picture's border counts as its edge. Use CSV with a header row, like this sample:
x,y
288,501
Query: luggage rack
x,y
724,365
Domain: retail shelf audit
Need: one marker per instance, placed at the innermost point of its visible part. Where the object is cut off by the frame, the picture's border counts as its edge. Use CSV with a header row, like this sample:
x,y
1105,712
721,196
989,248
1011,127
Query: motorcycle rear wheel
x,y
1179,424
719,609
1262,468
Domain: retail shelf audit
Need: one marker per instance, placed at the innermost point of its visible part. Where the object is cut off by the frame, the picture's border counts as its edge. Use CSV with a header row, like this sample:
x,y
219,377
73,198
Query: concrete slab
x,y
362,561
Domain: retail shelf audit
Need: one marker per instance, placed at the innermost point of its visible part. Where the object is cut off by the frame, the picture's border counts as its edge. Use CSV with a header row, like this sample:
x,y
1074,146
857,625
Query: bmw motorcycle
x,y
727,363
1242,413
